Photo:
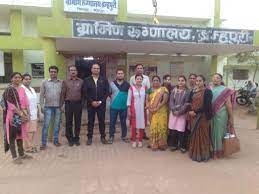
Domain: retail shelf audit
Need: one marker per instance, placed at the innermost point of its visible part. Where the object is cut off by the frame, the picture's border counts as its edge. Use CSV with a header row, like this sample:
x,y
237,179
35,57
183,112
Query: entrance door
x,y
84,68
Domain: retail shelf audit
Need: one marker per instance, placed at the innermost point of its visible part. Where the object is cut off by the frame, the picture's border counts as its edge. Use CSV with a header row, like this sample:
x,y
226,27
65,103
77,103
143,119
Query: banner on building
x,y
109,7
2,70
146,32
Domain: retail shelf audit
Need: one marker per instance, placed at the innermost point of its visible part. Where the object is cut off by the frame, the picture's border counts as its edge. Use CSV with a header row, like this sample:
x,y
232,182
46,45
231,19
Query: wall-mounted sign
x,y
109,7
37,70
146,32
2,63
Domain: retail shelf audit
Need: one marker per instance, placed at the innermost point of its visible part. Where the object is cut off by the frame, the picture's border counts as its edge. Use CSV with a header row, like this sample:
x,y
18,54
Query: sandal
x,y
126,140
35,150
30,151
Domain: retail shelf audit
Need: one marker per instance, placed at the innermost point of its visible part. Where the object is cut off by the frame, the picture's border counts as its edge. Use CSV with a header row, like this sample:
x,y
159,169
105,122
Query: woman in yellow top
x,y
156,101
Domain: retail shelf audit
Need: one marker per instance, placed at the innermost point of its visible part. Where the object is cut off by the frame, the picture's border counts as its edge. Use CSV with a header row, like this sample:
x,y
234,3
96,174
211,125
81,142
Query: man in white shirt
x,y
139,70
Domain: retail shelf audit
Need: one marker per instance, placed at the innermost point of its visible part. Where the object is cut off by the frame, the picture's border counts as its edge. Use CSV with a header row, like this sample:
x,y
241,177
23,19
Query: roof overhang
x,y
99,46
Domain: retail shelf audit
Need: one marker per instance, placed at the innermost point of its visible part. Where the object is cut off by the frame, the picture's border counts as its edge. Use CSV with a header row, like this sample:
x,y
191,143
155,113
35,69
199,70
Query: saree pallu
x,y
158,120
199,147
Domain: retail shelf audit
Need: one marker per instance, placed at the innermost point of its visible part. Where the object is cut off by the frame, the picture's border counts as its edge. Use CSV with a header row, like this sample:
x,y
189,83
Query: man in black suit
x,y
96,91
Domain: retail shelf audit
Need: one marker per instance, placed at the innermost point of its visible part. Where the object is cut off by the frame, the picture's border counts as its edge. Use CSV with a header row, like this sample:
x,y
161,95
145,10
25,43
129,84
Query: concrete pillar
x,y
122,11
17,57
49,49
217,20
216,24
60,59
214,64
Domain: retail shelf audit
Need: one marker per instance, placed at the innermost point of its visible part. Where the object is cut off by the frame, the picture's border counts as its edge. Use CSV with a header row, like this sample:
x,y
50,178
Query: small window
x,y
240,74
8,68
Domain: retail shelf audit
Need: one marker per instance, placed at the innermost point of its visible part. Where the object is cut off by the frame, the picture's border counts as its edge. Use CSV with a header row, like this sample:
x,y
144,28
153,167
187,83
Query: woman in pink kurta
x,y
177,118
16,100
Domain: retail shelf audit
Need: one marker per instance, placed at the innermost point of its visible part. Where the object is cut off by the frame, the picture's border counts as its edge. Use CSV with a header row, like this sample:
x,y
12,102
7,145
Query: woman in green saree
x,y
222,108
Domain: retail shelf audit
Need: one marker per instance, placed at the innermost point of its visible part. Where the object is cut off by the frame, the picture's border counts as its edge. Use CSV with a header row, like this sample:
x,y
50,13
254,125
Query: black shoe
x,y
89,142
125,139
57,144
77,143
173,149
71,144
103,140
110,141
43,147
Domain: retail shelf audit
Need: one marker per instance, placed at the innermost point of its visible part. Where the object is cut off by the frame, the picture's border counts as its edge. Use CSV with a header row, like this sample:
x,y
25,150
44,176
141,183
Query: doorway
x,y
84,64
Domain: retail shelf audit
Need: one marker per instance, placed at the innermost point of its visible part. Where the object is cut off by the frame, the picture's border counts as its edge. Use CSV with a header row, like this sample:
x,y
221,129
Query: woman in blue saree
x,y
222,108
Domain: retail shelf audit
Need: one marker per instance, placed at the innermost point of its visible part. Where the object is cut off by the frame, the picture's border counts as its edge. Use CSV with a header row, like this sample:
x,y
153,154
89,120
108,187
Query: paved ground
x,y
118,169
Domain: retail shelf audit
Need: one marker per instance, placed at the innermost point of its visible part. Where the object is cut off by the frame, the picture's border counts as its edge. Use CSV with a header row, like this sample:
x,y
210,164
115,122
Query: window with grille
x,y
240,74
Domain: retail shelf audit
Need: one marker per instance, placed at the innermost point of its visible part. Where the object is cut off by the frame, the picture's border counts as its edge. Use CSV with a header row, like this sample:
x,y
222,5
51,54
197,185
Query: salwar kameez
x,y
15,98
177,123
136,102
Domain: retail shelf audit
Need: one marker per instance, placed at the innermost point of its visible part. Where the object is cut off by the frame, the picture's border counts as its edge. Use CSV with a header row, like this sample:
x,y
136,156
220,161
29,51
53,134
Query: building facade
x,y
36,35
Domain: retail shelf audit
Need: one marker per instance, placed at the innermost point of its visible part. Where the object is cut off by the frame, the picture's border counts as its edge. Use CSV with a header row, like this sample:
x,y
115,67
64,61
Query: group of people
x,y
191,117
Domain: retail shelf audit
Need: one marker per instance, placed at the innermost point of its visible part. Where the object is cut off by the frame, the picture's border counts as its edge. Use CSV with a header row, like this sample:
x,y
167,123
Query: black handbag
x,y
16,124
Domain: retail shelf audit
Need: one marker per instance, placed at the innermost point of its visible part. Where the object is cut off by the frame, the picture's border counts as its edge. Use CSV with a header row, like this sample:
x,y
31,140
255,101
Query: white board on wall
x,y
2,72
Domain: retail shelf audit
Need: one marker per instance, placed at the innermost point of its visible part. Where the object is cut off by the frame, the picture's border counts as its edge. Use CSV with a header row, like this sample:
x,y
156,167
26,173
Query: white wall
x,y
190,64
239,83
234,63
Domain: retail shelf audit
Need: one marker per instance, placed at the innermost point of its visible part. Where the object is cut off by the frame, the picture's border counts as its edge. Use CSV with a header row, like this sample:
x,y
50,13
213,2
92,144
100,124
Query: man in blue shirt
x,y
119,94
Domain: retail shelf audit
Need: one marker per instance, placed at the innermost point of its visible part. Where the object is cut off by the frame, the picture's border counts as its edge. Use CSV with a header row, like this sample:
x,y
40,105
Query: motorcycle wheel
x,y
241,101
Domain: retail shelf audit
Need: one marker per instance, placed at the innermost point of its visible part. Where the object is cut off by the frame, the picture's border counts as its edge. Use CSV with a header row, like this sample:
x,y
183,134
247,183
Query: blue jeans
x,y
113,118
49,114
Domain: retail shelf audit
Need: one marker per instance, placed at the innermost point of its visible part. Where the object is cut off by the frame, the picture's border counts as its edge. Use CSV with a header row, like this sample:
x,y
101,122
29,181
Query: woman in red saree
x,y
200,115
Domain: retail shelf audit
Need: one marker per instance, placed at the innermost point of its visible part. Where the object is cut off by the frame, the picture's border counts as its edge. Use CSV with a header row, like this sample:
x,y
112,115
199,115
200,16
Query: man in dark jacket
x,y
96,91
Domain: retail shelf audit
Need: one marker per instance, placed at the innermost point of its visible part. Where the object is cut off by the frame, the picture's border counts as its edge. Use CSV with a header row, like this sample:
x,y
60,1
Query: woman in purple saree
x,y
222,114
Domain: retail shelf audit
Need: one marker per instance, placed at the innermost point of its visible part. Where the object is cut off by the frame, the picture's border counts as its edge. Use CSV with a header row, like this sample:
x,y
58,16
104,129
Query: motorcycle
x,y
245,96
